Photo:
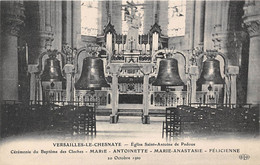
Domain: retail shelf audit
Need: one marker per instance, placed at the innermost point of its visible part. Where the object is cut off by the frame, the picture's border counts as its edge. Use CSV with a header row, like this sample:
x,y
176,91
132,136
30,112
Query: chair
x,y
172,124
84,121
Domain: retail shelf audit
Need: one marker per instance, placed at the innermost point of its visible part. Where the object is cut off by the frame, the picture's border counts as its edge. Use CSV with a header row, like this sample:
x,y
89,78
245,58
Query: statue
x,y
134,23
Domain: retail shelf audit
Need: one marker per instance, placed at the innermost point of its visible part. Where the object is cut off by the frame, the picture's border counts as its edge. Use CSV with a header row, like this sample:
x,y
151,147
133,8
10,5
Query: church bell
x,y
92,75
52,70
211,73
168,74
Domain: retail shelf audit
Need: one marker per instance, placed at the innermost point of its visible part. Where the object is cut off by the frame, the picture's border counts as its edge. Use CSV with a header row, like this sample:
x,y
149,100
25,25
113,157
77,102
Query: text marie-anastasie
x,y
130,147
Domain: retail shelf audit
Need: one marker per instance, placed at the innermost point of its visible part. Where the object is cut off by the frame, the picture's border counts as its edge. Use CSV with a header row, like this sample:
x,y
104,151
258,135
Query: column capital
x,y
251,8
194,70
226,39
114,69
146,69
229,43
33,68
12,17
251,17
253,27
233,70
69,68
46,38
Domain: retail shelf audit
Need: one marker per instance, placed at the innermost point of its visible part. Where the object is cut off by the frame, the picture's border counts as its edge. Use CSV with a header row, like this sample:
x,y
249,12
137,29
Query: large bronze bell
x,y
52,70
211,73
92,75
168,74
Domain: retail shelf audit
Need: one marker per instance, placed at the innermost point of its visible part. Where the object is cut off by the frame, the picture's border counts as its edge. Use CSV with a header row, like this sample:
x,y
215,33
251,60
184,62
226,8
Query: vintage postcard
x,y
130,82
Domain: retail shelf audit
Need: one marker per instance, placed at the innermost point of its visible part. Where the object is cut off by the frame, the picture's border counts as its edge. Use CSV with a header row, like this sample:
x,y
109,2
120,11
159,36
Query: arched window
x,y
176,17
140,9
89,17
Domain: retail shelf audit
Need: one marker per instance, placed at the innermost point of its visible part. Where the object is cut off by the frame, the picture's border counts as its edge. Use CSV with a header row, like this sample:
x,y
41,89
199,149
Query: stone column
x,y
233,72
114,70
57,24
48,6
149,14
104,17
116,16
147,69
146,95
40,37
220,36
194,76
101,14
46,35
163,16
226,37
69,70
191,5
12,18
66,22
33,70
254,68
199,23
76,23
218,16
252,23
208,44
226,14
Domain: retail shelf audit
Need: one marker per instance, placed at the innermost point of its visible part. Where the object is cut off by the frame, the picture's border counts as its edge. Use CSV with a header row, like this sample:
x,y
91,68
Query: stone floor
x,y
129,127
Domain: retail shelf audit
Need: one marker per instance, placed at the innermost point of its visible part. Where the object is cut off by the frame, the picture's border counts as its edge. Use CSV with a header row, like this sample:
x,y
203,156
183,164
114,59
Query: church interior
x,y
173,67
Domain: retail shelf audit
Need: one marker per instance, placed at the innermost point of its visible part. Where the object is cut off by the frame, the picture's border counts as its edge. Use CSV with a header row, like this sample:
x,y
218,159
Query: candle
x,y
114,37
123,41
26,53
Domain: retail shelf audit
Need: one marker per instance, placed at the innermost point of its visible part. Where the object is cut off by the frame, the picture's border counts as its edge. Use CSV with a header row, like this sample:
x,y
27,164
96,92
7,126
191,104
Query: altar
x,y
132,72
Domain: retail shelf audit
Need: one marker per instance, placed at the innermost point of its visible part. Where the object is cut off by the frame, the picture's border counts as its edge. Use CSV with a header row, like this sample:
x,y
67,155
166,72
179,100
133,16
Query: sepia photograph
x,y
129,82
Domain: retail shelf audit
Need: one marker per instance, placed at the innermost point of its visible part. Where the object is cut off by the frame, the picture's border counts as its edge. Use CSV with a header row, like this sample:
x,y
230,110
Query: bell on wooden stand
x,y
52,70
92,75
168,74
52,78
211,79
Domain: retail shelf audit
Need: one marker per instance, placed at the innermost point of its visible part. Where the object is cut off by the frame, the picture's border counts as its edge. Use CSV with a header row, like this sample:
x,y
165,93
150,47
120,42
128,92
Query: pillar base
x,y
145,119
113,119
